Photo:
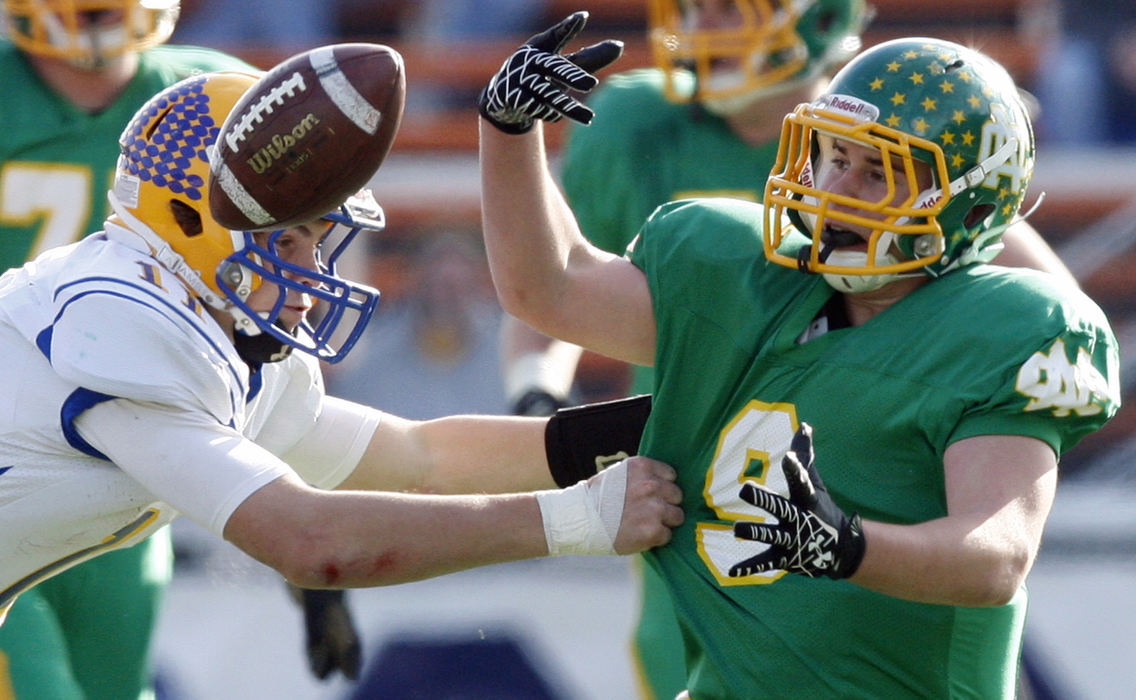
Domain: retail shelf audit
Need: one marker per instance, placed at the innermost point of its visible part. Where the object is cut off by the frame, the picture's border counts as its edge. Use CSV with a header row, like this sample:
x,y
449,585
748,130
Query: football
x,y
306,136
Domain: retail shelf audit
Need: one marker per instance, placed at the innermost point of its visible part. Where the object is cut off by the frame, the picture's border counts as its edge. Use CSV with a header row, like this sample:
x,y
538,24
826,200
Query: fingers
x,y
541,84
534,83
808,478
560,71
654,466
557,103
333,643
664,476
554,38
766,561
652,506
777,506
802,444
757,532
801,489
597,56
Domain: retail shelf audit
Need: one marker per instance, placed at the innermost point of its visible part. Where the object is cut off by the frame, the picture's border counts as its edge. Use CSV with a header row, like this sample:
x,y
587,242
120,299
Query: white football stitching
x,y
264,105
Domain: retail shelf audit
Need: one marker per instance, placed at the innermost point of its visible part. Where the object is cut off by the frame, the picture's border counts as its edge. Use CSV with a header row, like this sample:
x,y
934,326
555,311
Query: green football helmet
x,y
740,50
915,99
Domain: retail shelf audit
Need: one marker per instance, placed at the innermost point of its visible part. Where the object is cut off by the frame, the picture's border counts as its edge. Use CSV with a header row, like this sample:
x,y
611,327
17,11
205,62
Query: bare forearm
x,y
371,539
456,454
1025,247
529,229
466,462
350,539
951,561
415,536
546,273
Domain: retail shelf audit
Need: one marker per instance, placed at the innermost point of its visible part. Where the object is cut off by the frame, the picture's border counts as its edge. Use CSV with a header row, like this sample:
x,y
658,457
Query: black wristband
x,y
581,440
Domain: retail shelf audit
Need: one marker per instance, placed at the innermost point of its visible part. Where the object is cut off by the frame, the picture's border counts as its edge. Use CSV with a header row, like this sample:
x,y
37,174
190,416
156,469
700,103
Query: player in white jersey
x,y
169,366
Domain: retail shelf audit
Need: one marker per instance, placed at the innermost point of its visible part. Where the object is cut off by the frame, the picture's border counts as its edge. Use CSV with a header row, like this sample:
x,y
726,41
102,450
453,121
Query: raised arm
x,y
546,273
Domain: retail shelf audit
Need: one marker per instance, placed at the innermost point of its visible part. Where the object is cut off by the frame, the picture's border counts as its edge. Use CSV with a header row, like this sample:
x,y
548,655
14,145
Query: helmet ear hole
x,y
187,218
977,214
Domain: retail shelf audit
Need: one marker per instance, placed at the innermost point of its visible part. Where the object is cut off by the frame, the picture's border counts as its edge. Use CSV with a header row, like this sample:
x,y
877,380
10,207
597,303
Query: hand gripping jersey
x,y
100,320
983,350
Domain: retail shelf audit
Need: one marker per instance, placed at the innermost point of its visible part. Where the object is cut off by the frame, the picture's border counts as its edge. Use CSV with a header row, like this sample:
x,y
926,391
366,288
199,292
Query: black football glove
x,y
332,644
533,83
813,536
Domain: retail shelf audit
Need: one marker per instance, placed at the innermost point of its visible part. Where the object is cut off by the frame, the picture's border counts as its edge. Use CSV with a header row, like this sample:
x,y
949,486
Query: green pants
x,y
85,634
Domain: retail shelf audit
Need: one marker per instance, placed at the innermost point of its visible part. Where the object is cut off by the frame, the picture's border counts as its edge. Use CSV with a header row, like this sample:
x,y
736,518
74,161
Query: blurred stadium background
x,y
559,628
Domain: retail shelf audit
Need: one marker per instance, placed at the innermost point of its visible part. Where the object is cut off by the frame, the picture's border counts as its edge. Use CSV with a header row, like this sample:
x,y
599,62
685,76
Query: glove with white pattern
x,y
813,536
534,82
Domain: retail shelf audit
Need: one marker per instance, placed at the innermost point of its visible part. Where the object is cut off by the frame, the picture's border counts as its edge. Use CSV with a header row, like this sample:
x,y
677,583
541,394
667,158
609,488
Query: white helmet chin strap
x,y
854,284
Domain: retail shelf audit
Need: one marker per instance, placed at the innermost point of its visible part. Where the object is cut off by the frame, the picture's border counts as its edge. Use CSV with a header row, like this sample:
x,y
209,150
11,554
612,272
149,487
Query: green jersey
x,y
57,161
983,350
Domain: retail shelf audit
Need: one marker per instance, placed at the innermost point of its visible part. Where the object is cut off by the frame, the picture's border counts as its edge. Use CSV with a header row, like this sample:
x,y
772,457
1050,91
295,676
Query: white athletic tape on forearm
x,y
585,518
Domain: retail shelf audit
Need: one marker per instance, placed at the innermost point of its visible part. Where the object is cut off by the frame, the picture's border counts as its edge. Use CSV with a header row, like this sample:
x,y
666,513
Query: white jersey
x,y
101,320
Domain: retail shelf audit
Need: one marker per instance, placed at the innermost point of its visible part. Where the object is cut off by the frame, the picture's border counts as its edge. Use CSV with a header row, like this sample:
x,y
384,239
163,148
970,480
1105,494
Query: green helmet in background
x,y
741,50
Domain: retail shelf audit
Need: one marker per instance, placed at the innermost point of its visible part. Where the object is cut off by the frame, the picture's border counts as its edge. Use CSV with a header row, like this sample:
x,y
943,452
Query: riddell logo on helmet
x,y
930,200
853,107
256,113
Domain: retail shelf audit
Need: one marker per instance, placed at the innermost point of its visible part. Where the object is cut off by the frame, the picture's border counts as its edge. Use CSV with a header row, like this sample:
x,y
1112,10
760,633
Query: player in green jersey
x,y
696,125
73,75
653,142
860,299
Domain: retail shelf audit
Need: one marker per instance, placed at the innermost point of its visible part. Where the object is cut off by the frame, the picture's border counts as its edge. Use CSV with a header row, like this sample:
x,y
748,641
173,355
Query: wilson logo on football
x,y
281,143
264,106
